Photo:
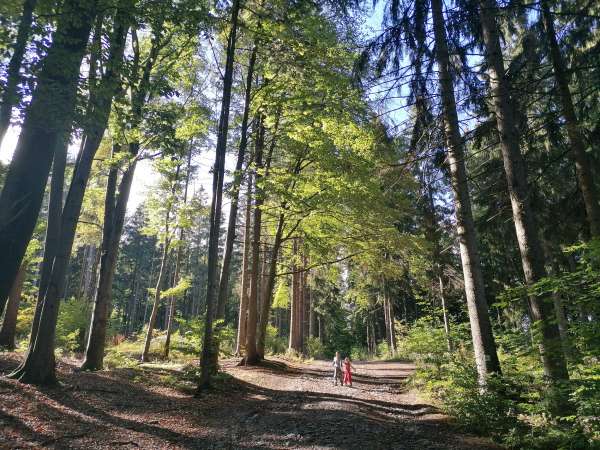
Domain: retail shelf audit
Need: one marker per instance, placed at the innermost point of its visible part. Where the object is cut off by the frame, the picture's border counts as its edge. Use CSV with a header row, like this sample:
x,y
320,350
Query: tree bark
x,y
576,140
243,313
295,341
10,97
252,356
48,117
156,305
484,345
9,325
532,258
209,347
268,289
178,258
97,339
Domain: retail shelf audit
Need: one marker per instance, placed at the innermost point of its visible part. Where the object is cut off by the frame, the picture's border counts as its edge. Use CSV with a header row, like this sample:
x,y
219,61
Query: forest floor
x,y
281,404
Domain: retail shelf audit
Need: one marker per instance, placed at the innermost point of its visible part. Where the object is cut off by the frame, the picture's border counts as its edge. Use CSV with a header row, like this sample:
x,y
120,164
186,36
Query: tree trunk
x,y
10,97
484,346
102,304
295,341
48,117
156,305
532,258
178,258
209,347
268,289
252,356
9,325
582,164
243,313
53,225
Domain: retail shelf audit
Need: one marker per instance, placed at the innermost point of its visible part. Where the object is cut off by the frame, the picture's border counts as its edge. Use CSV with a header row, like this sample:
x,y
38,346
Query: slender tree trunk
x,y
97,339
532,258
9,325
243,313
212,288
268,289
178,258
156,305
9,95
53,226
484,345
295,342
252,356
576,140
48,117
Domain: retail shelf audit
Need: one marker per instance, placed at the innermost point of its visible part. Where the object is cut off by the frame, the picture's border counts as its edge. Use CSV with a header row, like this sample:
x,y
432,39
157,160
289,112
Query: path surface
x,y
280,405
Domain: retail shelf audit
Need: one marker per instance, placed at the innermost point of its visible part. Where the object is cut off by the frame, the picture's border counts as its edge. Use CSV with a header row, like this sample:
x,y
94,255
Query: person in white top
x,y
337,369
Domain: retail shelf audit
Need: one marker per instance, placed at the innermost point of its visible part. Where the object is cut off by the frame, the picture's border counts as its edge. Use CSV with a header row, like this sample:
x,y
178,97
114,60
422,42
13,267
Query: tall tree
x,y
576,140
484,346
212,283
532,257
48,117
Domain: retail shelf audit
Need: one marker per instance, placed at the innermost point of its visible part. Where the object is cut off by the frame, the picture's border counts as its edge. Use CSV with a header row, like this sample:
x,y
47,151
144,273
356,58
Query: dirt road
x,y
280,405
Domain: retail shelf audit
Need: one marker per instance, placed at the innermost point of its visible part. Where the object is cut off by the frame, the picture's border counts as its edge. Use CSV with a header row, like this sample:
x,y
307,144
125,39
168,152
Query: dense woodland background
x,y
411,178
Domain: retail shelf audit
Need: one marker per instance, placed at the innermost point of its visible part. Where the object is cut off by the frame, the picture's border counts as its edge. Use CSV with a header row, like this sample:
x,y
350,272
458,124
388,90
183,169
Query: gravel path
x,y
278,405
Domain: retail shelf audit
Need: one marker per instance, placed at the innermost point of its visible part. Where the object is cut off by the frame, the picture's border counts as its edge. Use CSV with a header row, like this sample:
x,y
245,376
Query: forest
x,y
202,202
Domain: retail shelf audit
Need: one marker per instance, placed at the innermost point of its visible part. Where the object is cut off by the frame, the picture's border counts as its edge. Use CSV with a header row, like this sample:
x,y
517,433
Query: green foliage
x,y
515,408
72,323
315,348
281,299
275,344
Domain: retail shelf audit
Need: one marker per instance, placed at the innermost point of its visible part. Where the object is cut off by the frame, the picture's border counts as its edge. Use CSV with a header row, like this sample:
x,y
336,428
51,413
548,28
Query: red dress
x,y
347,373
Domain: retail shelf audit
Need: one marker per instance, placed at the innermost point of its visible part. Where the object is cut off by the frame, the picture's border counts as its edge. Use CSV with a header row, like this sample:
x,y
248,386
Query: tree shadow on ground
x,y
133,408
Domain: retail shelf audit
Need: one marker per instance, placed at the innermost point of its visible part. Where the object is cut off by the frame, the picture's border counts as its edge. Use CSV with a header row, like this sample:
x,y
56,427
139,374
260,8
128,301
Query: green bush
x,y
315,348
72,322
274,344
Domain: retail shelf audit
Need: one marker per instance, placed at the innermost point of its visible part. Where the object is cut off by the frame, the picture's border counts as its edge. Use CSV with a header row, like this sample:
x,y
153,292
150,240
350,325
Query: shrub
x,y
315,348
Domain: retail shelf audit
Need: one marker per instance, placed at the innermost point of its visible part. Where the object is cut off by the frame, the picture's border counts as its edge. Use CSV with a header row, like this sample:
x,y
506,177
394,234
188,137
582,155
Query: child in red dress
x,y
348,372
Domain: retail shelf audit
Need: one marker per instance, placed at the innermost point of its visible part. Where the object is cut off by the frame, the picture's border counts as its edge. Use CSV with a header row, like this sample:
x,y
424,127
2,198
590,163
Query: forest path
x,y
278,405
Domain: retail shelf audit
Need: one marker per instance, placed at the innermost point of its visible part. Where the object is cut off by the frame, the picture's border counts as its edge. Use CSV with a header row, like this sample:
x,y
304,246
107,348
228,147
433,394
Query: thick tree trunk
x,y
209,348
268,289
484,346
48,117
582,164
9,324
252,356
243,312
9,95
532,258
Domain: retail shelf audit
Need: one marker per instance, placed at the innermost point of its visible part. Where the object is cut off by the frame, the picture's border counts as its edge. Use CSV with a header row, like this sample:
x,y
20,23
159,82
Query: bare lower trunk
x,y
295,341
156,305
484,345
268,289
252,356
243,312
532,258
9,324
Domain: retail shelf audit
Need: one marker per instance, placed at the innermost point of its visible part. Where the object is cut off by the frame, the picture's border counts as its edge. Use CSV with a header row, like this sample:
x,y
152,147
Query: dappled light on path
x,y
278,405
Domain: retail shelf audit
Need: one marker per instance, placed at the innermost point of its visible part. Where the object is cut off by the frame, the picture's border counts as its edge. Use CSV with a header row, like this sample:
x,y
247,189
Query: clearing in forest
x,y
277,405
